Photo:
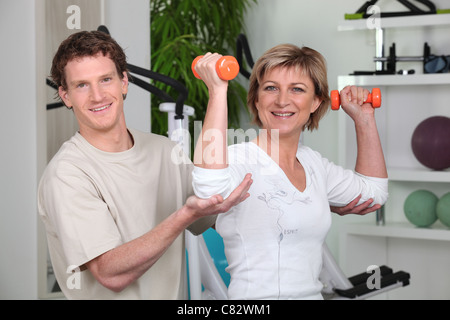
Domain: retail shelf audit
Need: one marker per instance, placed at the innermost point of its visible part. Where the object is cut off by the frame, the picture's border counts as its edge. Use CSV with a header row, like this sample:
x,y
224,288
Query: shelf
x,y
397,22
395,80
418,175
411,98
398,230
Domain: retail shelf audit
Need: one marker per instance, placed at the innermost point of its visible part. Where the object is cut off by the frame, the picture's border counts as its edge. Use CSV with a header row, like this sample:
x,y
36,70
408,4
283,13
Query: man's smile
x,y
100,108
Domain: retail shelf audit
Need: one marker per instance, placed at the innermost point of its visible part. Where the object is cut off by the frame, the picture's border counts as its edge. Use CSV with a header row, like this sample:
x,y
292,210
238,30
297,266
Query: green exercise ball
x,y
443,209
420,208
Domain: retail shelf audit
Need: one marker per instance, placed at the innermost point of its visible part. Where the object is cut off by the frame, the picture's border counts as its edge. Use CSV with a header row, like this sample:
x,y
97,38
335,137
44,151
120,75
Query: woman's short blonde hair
x,y
305,59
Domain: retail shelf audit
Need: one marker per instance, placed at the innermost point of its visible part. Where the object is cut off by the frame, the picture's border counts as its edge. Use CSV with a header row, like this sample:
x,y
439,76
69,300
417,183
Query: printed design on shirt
x,y
276,198
281,194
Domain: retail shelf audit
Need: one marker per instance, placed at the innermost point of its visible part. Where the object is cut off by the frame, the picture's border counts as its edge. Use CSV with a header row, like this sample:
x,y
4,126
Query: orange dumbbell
x,y
227,67
374,98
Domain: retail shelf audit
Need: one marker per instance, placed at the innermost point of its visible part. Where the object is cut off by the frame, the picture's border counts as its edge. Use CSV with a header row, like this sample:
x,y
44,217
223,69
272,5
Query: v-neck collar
x,y
270,162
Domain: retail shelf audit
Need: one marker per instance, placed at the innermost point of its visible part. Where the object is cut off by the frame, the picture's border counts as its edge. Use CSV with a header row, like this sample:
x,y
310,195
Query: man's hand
x,y
216,204
352,208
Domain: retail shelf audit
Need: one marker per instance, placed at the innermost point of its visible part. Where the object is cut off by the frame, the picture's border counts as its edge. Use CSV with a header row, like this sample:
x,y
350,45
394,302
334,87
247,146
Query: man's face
x,y
95,91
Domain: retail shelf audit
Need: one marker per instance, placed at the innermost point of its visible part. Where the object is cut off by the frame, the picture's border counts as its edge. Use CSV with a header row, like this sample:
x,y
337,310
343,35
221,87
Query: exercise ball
x,y
214,243
431,142
443,209
420,208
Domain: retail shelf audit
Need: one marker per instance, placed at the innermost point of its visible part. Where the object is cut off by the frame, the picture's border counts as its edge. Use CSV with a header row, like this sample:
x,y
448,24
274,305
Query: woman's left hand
x,y
352,101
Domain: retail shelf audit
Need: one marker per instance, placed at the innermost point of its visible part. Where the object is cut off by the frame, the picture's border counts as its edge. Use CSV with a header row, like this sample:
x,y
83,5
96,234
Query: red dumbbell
x,y
227,67
374,98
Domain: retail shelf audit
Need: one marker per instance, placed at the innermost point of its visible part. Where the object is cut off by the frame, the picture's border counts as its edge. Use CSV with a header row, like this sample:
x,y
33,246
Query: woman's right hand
x,y
206,68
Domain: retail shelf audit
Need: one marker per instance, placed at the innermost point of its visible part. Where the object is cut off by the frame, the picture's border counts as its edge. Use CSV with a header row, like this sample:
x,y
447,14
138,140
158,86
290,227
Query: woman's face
x,y
286,98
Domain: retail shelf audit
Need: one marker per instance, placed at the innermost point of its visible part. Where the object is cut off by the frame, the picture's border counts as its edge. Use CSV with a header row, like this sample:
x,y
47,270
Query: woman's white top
x,y
273,240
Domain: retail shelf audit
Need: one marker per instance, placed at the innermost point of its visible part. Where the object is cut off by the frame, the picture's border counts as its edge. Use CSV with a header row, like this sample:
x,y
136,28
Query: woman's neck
x,y
282,149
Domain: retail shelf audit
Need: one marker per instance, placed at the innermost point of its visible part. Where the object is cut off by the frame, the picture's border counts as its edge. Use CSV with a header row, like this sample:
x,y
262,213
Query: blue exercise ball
x,y
214,243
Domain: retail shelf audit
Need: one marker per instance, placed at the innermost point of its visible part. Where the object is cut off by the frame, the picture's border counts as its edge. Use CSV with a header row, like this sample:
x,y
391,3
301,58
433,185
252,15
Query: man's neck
x,y
118,140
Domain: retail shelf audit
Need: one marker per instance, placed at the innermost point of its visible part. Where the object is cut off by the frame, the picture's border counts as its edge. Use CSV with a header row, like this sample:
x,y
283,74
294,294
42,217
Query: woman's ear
x,y
316,103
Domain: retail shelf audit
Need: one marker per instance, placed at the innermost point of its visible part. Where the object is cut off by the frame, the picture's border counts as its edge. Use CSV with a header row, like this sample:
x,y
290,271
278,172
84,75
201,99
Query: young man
x,y
114,203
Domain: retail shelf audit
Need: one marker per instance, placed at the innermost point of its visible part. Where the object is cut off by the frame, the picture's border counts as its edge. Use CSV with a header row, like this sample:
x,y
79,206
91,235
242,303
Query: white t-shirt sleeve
x,y
209,182
344,185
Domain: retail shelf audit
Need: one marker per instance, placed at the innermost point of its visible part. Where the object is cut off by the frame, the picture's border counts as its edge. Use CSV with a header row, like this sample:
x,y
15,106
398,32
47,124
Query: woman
x,y
273,240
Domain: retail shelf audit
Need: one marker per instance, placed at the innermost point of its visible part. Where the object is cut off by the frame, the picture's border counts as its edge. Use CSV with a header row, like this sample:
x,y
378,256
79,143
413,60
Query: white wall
x,y
22,105
23,125
129,24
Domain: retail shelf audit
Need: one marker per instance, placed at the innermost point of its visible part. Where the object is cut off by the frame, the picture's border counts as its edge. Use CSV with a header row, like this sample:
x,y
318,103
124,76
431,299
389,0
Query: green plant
x,y
184,29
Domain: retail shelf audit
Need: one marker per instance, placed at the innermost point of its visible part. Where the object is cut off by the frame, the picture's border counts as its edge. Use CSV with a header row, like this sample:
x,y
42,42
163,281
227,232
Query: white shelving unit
x,y
403,230
406,101
398,80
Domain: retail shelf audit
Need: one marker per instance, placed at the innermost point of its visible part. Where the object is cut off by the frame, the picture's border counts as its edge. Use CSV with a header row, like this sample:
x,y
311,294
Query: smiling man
x,y
104,197
95,91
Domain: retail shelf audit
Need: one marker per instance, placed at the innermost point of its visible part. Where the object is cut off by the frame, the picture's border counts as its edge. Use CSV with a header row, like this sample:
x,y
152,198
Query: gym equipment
x,y
431,63
362,13
216,247
227,67
443,209
431,144
368,11
336,286
242,47
420,208
374,98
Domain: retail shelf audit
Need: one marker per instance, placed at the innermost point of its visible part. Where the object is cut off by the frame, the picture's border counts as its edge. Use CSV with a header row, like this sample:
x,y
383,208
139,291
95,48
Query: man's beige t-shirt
x,y
93,201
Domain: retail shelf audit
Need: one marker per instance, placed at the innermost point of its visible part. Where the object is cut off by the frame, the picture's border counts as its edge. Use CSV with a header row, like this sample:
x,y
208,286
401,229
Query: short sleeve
x,y
78,215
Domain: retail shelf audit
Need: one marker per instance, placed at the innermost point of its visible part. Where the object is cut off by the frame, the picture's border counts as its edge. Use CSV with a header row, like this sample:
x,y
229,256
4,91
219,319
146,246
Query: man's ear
x,y
125,83
64,97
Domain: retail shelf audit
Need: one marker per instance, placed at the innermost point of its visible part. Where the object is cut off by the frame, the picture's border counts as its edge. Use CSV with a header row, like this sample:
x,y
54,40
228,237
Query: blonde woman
x,y
273,240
